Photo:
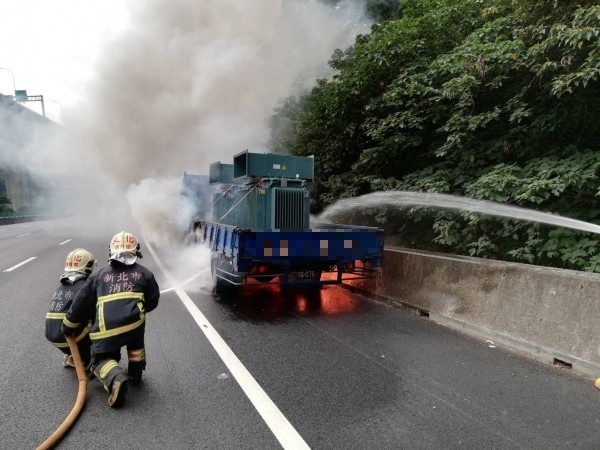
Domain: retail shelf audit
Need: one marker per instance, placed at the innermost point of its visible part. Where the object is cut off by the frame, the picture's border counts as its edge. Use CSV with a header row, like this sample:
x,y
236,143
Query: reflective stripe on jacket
x,y
119,296
59,305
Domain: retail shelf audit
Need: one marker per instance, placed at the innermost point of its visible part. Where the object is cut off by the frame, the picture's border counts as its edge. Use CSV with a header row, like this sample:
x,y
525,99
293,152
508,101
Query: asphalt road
x,y
272,369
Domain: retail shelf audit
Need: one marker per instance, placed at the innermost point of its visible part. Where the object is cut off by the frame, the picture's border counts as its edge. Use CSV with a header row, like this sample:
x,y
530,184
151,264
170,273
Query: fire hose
x,y
70,420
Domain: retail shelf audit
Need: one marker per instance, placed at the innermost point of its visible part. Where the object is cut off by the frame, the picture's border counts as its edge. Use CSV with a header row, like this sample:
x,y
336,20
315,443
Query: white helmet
x,y
80,260
124,247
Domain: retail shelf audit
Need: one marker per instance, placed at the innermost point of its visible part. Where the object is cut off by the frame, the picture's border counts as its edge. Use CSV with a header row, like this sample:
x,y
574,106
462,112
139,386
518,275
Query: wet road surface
x,y
342,370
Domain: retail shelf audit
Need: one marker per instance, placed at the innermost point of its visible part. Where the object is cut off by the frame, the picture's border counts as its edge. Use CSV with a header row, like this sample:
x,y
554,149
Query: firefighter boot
x,y
114,379
118,391
89,370
68,361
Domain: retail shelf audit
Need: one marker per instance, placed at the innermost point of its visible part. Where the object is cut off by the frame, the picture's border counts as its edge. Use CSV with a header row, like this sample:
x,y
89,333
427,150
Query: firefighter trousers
x,y
106,364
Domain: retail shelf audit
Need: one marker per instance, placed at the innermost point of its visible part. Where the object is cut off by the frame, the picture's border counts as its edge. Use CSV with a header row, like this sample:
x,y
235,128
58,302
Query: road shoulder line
x,y
283,430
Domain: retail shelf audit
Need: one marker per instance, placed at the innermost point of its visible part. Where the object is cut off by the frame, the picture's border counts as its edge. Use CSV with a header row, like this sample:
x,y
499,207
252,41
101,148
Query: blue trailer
x,y
258,228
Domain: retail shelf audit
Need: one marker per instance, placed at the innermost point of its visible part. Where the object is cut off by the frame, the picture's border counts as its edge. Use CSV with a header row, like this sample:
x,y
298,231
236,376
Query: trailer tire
x,y
220,287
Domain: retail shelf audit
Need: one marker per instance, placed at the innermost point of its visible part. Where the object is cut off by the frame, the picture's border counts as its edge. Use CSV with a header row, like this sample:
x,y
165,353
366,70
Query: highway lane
x,y
346,372
185,399
354,374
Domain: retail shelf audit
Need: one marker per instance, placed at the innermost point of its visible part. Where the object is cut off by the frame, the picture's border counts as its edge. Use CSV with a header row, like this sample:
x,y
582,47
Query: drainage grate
x,y
562,364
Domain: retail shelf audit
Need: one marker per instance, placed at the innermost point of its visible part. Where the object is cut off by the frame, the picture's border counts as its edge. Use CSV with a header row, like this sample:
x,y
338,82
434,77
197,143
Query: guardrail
x,y
7,220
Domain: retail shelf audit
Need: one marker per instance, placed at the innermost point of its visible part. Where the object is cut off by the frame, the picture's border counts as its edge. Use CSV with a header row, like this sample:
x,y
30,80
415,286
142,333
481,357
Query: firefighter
x,y
119,295
78,266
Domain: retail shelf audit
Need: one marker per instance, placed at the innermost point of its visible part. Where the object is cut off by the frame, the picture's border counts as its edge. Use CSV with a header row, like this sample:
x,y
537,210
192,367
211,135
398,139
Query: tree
x,y
5,205
495,100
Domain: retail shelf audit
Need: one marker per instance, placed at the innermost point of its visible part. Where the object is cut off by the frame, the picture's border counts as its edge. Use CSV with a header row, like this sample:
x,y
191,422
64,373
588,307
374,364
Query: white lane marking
x,y
64,242
20,264
21,235
283,430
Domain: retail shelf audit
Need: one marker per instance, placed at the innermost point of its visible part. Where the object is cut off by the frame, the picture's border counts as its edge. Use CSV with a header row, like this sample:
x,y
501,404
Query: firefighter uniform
x,y
78,266
119,296
60,304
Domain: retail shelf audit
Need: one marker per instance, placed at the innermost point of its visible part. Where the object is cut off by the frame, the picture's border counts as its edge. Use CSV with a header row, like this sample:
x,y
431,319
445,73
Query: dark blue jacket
x,y
119,296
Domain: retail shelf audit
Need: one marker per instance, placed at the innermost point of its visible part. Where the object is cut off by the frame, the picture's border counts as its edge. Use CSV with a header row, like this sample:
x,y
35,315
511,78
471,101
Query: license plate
x,y
306,275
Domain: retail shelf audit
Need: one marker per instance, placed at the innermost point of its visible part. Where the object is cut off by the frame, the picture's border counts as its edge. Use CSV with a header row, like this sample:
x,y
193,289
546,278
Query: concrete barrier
x,y
550,314
19,219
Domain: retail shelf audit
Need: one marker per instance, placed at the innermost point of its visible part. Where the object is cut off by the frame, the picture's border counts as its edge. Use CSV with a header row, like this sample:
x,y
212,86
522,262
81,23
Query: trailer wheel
x,y
220,287
217,283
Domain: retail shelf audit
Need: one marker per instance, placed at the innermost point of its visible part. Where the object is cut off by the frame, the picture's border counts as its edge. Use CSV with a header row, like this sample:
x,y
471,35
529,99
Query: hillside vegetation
x,y
488,99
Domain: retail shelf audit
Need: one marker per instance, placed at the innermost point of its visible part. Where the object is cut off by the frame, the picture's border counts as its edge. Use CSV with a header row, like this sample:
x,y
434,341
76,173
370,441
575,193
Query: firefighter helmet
x,y
80,260
123,242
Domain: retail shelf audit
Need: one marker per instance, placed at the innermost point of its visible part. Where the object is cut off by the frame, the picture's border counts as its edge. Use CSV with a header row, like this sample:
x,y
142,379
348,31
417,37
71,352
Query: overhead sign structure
x,y
20,96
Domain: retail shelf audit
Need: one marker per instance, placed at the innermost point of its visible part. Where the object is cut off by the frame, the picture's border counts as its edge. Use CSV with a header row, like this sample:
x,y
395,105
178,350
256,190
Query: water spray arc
x,y
445,201
183,283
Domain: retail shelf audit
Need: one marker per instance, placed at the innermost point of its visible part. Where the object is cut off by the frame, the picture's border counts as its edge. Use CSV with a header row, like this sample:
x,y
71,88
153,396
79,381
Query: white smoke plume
x,y
195,82
186,84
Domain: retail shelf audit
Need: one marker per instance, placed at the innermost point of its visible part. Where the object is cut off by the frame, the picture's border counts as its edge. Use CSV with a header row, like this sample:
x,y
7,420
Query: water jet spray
x,y
453,202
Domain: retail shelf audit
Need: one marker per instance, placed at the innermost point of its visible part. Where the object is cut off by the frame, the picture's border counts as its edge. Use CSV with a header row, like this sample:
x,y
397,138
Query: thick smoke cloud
x,y
186,84
195,82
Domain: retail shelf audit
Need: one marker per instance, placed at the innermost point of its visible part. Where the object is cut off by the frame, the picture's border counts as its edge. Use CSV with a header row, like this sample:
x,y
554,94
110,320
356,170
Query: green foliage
x,y
5,205
380,10
572,250
496,100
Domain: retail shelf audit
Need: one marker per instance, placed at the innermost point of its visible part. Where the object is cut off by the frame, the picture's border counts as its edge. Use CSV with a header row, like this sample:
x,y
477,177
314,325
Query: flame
x,y
274,300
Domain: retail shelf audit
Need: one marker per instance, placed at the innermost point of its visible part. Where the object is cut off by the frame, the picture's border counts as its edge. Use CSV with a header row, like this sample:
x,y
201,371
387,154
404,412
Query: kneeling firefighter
x,y
78,266
120,295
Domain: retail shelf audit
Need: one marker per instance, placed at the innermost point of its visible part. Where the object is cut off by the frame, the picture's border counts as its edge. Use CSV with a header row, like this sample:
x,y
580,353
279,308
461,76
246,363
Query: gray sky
x,y
50,46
